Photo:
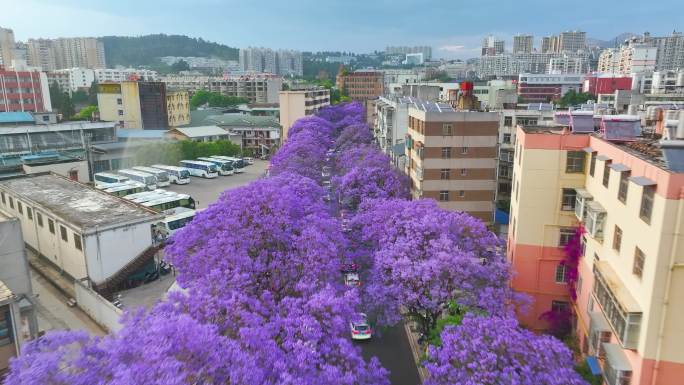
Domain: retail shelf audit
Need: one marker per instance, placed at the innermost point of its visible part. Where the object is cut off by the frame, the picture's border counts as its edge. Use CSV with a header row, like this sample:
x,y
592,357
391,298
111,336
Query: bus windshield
x,y
150,179
212,168
185,174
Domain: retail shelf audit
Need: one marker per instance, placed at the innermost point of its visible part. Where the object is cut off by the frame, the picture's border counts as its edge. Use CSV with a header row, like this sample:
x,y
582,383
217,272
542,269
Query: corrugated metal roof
x,y
241,120
201,131
16,117
140,134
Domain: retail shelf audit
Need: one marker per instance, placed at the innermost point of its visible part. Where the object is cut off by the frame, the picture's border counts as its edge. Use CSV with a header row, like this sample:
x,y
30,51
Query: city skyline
x,y
455,32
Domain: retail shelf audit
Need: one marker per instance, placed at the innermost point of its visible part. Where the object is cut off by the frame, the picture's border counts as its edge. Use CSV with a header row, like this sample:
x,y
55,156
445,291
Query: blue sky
x,y
453,27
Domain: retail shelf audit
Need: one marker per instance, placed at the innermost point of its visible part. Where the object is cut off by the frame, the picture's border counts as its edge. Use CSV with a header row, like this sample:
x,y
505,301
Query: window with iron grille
x,y
647,203
617,238
559,306
508,121
575,162
566,235
606,172
447,129
639,259
568,200
63,233
624,186
592,164
445,174
78,242
507,138
444,196
464,172
446,152
561,273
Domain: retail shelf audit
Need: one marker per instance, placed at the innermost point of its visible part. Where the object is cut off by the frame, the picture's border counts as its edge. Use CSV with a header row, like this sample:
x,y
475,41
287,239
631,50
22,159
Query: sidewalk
x,y
412,336
61,282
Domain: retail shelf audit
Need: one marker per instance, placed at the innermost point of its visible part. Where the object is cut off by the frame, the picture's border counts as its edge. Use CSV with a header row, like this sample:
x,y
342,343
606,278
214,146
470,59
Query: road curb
x,y
415,349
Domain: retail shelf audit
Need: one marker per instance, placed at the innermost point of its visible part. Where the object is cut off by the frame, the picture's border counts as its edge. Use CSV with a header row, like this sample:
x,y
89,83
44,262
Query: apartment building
x,y
297,104
632,58
523,43
545,88
361,85
568,65
625,192
266,60
84,232
532,62
115,75
72,79
451,157
7,46
54,54
143,105
261,88
491,46
25,90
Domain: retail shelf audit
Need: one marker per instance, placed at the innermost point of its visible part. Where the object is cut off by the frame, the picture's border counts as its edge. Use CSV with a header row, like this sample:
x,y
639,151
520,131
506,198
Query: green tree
x,y
86,113
214,99
92,93
180,65
79,97
61,101
573,98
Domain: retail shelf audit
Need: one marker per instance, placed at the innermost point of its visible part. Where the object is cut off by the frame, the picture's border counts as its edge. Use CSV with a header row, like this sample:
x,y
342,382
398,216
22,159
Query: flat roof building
x,y
297,104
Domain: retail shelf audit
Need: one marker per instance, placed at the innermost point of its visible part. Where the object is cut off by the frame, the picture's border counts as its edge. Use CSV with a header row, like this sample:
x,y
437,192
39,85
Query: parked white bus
x,y
148,179
225,167
161,175
126,188
177,175
238,163
170,202
199,168
176,219
104,179
149,195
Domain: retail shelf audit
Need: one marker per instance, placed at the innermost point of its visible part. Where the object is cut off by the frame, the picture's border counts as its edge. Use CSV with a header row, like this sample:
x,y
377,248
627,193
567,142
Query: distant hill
x,y
144,50
610,43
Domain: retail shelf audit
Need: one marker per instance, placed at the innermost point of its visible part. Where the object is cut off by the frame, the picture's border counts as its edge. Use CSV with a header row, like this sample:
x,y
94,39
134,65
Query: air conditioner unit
x,y
581,200
595,219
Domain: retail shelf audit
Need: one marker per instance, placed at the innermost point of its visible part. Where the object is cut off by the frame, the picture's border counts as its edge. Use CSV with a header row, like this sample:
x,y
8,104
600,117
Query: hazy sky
x,y
454,28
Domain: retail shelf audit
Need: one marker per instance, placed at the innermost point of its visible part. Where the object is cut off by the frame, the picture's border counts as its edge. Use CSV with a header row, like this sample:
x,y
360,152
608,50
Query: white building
x,y
391,125
404,50
568,65
414,59
117,75
73,79
259,88
632,58
86,233
297,104
266,60
7,46
523,43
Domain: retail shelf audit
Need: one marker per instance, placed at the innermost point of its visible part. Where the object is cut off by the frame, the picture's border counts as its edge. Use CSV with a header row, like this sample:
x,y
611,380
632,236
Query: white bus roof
x,y
114,187
166,167
110,175
200,162
157,192
165,199
149,170
178,213
134,172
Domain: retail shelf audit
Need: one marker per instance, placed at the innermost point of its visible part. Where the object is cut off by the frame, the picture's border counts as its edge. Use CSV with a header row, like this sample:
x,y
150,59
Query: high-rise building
x,y
492,46
633,57
255,88
546,44
266,60
7,47
669,49
616,199
523,43
572,41
25,90
567,64
54,54
361,85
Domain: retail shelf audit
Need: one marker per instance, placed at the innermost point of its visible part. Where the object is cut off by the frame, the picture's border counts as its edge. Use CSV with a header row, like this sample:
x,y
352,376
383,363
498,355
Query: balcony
x,y
594,220
582,199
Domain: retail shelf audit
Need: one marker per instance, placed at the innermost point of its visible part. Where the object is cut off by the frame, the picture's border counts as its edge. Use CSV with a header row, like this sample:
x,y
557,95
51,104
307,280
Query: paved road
x,y
207,191
395,354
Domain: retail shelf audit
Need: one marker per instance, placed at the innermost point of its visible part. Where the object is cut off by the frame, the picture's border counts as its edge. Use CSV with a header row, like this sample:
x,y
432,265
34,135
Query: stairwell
x,y
116,281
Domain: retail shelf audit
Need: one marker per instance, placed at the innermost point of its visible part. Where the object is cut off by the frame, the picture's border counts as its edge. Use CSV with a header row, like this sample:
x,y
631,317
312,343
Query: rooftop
x,y
76,203
128,133
65,126
5,292
240,120
201,131
16,117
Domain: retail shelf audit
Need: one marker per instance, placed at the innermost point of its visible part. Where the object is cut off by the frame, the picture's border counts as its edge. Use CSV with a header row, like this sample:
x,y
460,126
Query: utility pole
x,y
88,135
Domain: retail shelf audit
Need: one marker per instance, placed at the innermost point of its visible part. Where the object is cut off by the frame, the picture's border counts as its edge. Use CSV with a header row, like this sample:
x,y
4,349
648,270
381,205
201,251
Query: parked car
x,y
349,268
248,160
352,279
360,328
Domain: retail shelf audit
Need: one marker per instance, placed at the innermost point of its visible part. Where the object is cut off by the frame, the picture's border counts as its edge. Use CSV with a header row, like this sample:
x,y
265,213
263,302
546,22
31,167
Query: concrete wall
x,y
108,251
98,308
80,167
292,107
14,270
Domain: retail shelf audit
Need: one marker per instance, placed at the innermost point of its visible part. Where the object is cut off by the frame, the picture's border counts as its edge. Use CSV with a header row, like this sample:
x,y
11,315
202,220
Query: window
x,y
63,232
508,121
20,208
444,196
574,162
506,138
559,306
617,238
120,112
3,197
444,174
119,101
46,118
464,150
606,172
77,242
624,186
51,225
5,329
461,193
569,198
446,152
592,164
39,218
638,265
627,325
561,273
447,129
464,172
566,235
646,203
29,213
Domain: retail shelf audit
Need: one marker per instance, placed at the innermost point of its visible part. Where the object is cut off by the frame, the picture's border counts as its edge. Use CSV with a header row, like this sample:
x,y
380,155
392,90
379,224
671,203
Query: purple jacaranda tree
x,y
360,156
353,136
313,124
424,258
270,235
343,114
365,183
496,351
303,154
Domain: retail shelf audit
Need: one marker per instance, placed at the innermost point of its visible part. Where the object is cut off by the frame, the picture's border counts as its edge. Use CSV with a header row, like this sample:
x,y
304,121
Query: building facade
x,y
523,43
255,88
266,60
7,47
404,50
25,91
545,88
106,75
177,108
451,158
61,53
627,197
297,104
361,85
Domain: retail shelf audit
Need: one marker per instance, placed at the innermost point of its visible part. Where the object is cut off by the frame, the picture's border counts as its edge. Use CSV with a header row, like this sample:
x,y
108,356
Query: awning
x,y
616,287
594,366
619,167
599,321
595,207
588,150
642,181
616,358
602,158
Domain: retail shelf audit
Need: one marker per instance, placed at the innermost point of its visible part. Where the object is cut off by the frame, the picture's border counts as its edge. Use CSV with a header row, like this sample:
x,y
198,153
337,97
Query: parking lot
x,y
206,191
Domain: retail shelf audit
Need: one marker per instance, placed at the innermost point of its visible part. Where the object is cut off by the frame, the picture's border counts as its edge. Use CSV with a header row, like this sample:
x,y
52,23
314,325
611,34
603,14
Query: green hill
x,y
144,50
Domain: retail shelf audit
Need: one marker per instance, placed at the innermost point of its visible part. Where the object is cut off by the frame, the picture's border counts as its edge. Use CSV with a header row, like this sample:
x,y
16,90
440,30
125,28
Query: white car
x,y
248,160
352,279
360,328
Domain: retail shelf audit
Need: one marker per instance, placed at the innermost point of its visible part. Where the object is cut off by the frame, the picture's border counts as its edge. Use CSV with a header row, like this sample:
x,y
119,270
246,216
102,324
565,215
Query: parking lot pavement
x,y
206,191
